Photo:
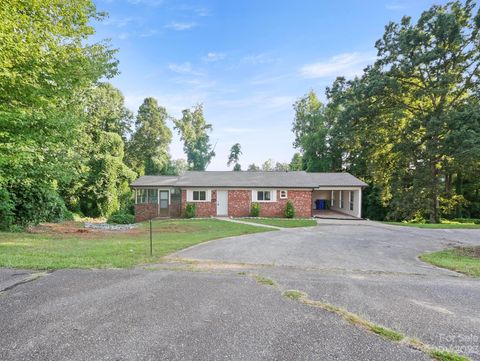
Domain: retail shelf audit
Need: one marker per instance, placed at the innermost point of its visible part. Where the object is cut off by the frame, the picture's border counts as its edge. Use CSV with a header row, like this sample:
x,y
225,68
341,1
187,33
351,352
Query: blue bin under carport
x,y
320,204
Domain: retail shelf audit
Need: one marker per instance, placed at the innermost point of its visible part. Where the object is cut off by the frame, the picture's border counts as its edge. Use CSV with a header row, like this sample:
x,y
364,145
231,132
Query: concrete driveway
x,y
220,312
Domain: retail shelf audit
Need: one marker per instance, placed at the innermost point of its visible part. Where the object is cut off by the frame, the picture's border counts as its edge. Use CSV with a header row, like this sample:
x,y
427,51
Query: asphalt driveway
x,y
174,311
370,269
173,315
339,245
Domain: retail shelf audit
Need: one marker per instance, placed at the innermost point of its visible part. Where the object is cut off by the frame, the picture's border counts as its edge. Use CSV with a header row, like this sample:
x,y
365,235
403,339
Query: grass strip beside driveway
x,y
465,260
386,333
72,246
281,222
437,225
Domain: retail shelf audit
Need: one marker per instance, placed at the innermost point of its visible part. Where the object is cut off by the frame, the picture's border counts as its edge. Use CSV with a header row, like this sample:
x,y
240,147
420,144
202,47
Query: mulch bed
x,y
473,251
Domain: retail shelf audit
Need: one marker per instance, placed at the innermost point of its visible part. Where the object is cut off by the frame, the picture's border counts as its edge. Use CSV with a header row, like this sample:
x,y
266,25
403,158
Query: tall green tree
x,y
281,167
234,156
253,168
193,131
268,165
296,163
148,150
106,110
311,133
176,167
432,69
47,63
409,123
101,185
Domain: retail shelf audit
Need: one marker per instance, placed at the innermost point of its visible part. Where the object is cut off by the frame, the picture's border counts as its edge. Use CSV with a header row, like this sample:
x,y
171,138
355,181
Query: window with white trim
x,y
199,195
264,196
351,200
283,194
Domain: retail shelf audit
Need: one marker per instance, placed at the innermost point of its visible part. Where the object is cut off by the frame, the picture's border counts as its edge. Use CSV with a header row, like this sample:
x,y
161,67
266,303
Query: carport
x,y
337,202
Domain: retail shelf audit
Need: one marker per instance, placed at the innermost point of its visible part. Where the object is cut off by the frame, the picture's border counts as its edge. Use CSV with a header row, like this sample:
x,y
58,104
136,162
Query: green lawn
x,y
282,222
73,246
464,260
437,226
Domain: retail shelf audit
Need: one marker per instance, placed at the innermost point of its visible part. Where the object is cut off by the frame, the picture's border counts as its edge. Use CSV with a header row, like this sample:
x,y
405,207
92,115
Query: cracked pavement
x,y
168,312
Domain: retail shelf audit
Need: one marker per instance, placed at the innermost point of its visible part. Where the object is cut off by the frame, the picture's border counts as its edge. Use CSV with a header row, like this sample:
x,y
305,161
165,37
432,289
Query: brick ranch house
x,y
230,193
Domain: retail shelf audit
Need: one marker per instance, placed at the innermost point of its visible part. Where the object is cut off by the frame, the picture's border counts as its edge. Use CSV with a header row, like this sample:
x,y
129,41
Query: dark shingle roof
x,y
155,180
299,179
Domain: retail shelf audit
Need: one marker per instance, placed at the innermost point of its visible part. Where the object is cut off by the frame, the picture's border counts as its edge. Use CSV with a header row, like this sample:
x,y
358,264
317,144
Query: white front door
x,y
222,203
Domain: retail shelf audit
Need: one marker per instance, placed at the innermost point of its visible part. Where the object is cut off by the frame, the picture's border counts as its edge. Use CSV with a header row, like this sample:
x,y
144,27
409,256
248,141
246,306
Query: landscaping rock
x,y
109,227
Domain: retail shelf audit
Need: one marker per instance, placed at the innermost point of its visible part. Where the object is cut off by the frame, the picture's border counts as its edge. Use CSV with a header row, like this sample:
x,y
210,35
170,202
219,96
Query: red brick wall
x,y
239,203
204,209
175,210
145,211
302,202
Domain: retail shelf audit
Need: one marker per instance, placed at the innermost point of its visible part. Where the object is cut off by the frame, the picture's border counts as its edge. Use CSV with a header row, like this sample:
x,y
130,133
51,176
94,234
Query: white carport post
x,y
359,213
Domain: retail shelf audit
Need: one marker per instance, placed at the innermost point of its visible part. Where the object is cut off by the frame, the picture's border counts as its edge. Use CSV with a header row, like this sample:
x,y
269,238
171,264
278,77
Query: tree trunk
x,y
459,190
434,214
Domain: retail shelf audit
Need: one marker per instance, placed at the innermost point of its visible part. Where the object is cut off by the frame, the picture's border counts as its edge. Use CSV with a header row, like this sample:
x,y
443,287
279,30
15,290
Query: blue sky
x,y
246,61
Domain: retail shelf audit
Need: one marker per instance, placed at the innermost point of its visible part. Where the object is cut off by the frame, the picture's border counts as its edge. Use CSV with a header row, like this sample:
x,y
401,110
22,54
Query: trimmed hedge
x,y
121,218
289,210
255,210
190,210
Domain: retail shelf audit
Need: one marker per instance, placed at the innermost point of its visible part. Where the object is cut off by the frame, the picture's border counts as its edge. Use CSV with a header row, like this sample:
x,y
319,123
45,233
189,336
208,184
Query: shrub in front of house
x,y
289,210
121,218
255,210
190,210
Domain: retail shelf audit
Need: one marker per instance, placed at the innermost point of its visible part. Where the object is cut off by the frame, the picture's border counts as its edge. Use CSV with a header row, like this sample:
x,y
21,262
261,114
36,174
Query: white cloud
x,y
120,22
202,12
180,26
185,68
346,64
212,56
194,10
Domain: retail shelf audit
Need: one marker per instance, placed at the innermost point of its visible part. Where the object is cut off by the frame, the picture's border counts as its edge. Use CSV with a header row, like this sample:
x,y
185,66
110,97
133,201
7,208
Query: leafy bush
x,y
255,210
35,203
6,210
121,218
289,210
467,220
190,210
